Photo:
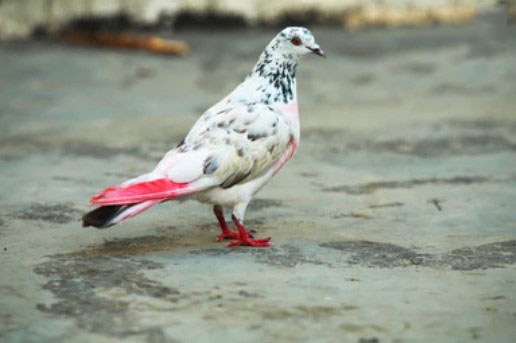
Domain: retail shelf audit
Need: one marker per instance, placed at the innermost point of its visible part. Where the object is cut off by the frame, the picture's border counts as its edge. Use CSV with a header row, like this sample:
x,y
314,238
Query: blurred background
x,y
25,17
22,18
395,222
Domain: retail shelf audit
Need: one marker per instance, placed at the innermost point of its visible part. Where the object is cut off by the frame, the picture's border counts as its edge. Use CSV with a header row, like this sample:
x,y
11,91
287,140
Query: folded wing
x,y
224,148
234,144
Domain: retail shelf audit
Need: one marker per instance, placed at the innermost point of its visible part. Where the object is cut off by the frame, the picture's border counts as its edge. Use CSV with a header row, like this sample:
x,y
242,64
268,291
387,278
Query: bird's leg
x,y
226,232
245,238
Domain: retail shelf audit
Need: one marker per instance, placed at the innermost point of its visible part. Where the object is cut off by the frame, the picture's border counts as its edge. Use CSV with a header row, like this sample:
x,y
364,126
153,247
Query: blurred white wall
x,y
19,17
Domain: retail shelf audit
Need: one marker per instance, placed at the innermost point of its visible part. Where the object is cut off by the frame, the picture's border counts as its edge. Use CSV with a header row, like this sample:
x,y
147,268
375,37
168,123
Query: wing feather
x,y
234,144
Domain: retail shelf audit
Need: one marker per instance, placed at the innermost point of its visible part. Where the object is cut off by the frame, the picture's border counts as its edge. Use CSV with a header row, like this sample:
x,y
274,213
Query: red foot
x,y
245,239
228,234
260,243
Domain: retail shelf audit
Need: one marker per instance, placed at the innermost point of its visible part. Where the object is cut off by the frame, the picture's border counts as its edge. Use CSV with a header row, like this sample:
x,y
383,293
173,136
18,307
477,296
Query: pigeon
x,y
232,150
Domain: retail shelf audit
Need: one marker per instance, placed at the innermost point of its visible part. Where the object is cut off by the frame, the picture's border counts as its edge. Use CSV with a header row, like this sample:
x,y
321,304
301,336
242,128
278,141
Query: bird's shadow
x,y
134,246
167,238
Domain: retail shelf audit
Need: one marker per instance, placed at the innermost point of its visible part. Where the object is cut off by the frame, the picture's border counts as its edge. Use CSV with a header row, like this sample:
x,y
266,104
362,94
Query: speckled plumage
x,y
237,145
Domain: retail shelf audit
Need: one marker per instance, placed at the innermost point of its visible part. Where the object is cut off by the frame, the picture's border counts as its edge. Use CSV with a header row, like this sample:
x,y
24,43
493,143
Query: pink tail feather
x,y
161,189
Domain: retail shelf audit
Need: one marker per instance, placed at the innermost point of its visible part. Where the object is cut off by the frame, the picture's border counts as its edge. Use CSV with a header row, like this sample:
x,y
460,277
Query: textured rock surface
x,y
394,223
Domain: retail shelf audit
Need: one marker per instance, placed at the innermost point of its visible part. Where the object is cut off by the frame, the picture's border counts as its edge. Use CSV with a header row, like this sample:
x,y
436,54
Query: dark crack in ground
x,y
369,340
386,255
285,255
371,187
260,204
470,144
323,134
19,146
493,255
353,215
100,151
78,279
415,67
378,255
390,204
55,214
471,137
363,79
134,246
483,124
312,312
381,255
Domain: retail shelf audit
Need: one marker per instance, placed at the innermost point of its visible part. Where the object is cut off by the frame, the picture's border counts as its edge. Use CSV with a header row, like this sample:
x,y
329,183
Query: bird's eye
x,y
296,41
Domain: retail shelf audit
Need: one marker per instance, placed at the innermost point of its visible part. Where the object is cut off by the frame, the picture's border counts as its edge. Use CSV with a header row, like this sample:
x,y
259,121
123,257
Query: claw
x,y
245,238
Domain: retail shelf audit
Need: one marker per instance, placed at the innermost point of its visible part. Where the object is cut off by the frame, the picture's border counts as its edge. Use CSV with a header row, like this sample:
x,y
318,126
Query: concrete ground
x,y
394,223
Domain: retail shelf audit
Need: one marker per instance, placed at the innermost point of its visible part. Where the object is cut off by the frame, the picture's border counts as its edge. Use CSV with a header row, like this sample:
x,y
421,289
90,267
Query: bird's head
x,y
296,41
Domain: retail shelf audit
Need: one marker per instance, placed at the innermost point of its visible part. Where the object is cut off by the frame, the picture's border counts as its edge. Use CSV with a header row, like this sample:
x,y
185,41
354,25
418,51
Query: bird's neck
x,y
272,82
274,78
272,62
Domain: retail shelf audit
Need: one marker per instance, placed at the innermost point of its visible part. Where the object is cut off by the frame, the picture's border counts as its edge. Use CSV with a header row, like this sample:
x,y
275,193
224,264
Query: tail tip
x,y
101,217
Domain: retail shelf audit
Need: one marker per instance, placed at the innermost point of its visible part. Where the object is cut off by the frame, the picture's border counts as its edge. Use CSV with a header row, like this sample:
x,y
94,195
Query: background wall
x,y
18,18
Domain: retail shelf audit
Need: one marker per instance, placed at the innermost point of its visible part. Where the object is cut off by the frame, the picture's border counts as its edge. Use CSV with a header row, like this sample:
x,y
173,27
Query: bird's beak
x,y
316,49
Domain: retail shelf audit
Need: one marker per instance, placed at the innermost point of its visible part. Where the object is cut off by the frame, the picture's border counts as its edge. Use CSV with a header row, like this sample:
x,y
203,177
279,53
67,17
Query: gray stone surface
x,y
394,223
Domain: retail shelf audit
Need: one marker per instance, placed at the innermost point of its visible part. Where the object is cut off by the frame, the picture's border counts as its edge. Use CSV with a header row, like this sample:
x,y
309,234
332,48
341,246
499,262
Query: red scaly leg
x,y
245,238
226,232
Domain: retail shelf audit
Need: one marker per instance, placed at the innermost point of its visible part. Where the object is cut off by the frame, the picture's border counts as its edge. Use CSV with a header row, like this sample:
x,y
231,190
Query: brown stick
x,y
125,41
